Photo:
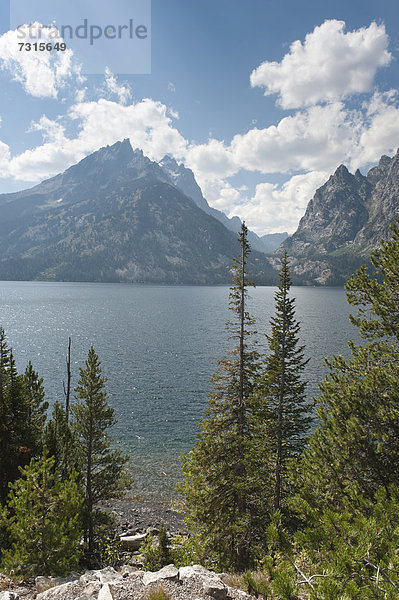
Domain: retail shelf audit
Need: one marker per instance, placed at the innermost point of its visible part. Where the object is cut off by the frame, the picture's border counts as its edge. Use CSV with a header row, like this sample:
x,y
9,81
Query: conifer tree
x,y
102,467
356,444
43,521
281,417
217,485
22,416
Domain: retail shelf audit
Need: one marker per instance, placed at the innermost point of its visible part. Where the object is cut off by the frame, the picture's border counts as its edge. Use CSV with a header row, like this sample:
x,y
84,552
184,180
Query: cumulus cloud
x,y
279,208
316,138
329,65
42,74
100,122
212,160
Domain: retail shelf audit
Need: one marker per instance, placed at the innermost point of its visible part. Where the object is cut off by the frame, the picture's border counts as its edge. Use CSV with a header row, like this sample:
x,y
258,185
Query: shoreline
x,y
138,514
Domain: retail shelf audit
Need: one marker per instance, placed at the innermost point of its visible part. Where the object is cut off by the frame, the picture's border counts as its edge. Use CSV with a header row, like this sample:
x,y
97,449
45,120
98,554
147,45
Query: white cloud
x,y
123,92
101,122
212,160
380,135
279,208
317,138
329,65
42,74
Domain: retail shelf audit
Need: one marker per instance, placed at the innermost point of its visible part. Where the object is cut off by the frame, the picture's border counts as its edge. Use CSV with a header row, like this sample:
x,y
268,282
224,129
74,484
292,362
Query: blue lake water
x,y
159,346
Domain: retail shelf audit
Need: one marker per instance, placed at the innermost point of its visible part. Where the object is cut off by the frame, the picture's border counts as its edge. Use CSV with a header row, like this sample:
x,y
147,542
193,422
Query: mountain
x,y
271,241
116,216
344,222
184,179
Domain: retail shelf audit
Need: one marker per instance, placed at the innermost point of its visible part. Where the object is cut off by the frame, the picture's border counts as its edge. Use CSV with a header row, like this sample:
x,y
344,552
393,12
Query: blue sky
x,y
263,99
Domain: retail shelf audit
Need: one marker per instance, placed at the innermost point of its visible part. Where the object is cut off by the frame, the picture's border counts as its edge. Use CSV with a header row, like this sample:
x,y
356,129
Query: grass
x,y
158,593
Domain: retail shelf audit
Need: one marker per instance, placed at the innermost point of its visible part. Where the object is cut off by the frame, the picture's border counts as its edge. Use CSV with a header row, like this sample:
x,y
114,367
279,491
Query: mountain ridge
x,y
344,221
116,216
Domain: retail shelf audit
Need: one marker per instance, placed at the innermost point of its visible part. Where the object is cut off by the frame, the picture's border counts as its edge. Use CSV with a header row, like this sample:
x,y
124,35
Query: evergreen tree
x,y
102,467
61,442
281,418
217,487
356,444
22,416
43,521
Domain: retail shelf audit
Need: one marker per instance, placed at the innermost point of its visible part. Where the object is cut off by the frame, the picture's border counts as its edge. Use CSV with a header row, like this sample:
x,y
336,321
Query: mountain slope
x,y
344,222
184,179
115,217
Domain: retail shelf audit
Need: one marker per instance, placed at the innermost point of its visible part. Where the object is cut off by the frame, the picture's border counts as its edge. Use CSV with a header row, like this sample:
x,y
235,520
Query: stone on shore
x,y
132,542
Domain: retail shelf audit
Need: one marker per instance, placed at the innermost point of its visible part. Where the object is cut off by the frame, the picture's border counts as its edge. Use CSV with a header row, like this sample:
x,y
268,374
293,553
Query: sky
x,y
262,99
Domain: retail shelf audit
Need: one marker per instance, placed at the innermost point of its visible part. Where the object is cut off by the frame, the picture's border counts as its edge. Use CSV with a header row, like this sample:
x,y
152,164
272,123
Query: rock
x,y
45,583
128,570
169,572
215,588
70,589
105,593
133,542
92,588
106,575
199,570
9,596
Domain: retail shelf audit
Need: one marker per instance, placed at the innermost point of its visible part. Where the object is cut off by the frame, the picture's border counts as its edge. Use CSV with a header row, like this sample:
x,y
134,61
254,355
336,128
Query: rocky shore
x,y
137,515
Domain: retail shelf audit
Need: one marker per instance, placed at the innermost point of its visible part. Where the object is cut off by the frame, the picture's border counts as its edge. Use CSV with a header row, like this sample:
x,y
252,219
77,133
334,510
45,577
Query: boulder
x,y
72,589
127,570
194,570
8,596
45,583
132,542
106,575
215,588
166,573
105,593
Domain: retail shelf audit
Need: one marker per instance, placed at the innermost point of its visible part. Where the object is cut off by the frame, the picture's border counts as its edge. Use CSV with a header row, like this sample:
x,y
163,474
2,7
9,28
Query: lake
x,y
159,346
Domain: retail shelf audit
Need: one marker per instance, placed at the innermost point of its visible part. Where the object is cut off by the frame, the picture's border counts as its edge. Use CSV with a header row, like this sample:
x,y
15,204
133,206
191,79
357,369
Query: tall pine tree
x,y
281,415
102,467
216,487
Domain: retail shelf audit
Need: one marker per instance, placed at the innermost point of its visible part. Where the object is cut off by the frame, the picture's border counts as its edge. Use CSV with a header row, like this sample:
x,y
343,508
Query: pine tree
x,y
217,486
43,521
281,418
356,444
101,466
22,416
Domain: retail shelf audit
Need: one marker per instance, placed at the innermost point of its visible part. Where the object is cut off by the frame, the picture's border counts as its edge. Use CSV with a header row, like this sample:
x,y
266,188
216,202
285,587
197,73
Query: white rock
x,y
169,572
194,570
133,542
61,592
106,592
92,588
9,596
215,588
